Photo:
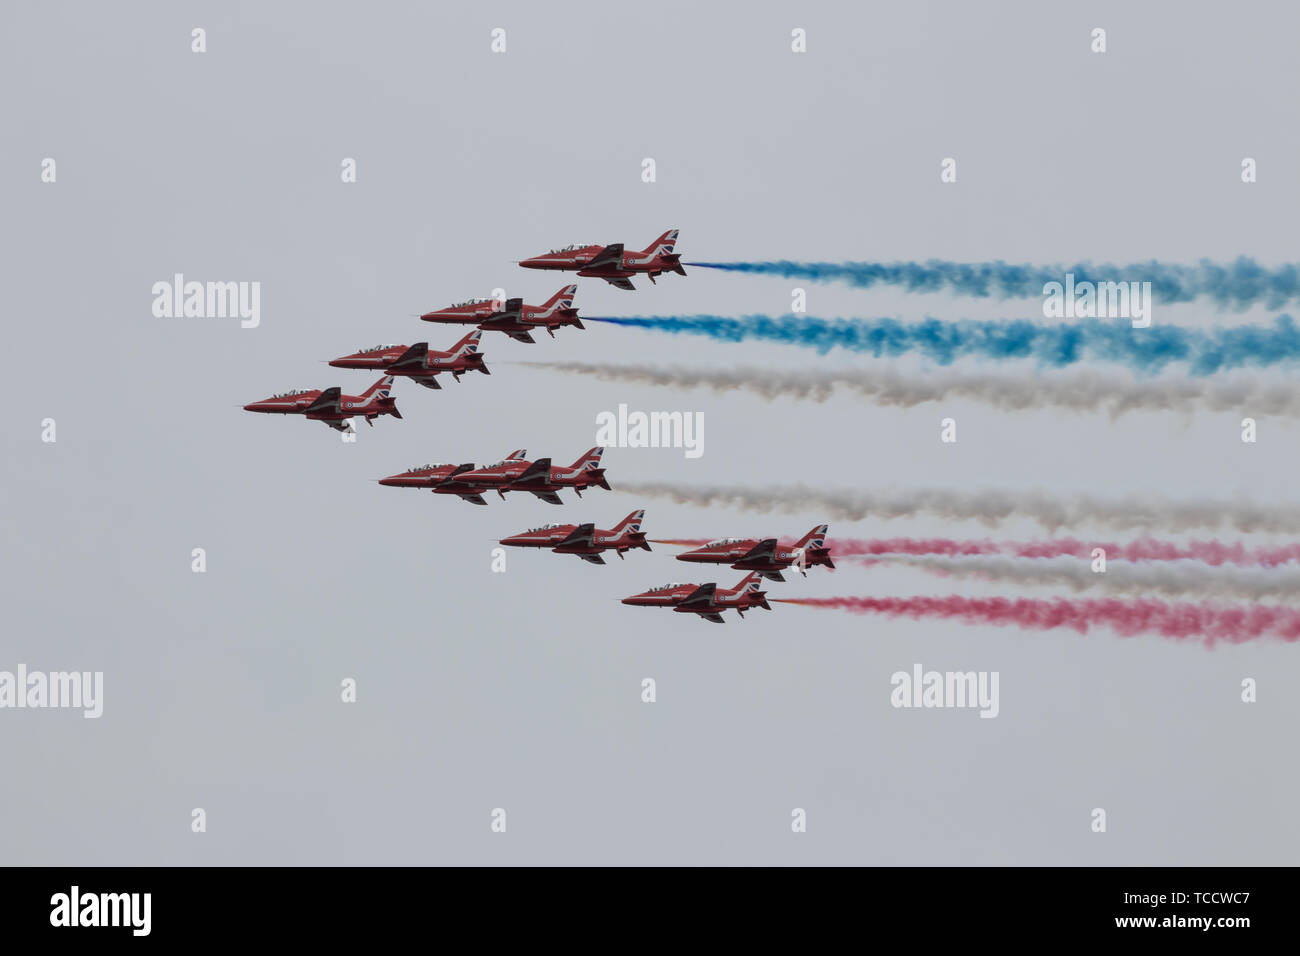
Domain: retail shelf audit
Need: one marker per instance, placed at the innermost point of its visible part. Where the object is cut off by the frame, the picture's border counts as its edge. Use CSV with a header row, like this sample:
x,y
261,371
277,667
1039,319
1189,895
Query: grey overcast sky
x,y
521,690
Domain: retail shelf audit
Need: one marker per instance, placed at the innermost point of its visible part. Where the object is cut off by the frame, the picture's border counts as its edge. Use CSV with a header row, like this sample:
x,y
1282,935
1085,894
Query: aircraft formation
x,y
760,558
514,317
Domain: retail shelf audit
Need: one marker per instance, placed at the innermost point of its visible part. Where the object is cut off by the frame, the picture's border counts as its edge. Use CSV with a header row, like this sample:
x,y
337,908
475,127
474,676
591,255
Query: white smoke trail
x,y
987,507
1173,579
1077,392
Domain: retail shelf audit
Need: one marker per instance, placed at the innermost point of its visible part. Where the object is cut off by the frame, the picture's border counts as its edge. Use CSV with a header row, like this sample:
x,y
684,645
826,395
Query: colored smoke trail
x,y
1182,621
1053,346
987,507
1238,284
1214,553
1165,580
1077,392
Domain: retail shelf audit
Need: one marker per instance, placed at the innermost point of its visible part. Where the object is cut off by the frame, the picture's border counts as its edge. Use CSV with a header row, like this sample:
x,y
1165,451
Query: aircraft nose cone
x,y
690,556
511,540
253,407
534,263
391,481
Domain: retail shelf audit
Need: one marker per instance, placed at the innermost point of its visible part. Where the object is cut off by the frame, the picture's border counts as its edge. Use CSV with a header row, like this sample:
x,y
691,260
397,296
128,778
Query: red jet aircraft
x,y
540,477
585,540
331,406
514,318
763,556
612,263
705,600
442,479
419,362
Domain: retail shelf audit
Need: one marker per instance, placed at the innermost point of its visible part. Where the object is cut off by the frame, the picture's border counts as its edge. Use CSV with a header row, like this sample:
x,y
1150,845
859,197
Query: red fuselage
x,y
417,362
585,540
514,317
613,263
765,555
331,405
706,600
467,313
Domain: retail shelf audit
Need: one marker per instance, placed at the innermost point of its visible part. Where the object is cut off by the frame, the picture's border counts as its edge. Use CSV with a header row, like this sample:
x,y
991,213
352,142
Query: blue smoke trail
x,y
1238,285
1055,346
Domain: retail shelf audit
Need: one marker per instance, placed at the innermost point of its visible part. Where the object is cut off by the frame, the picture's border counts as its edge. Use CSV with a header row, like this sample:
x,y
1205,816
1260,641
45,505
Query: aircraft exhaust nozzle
x,y
577,323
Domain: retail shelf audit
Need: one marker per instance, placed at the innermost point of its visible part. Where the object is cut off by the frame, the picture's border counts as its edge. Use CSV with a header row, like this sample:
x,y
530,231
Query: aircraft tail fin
x,y
468,345
382,389
589,461
562,299
632,523
815,538
663,246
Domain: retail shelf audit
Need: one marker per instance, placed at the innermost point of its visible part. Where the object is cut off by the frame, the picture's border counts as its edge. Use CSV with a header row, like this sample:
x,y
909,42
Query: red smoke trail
x,y
1211,622
1144,549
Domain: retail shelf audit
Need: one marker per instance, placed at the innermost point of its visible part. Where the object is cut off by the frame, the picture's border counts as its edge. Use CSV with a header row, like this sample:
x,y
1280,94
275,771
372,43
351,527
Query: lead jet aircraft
x,y
419,362
613,263
513,317
585,540
764,556
541,478
331,406
443,479
706,600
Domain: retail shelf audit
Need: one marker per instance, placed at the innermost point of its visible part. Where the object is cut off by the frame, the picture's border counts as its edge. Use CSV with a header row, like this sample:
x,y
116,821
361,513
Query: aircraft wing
x,y
582,534
700,598
541,468
343,426
412,358
593,558
622,283
765,549
715,617
519,335
428,381
611,255
549,497
472,497
511,309
328,401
